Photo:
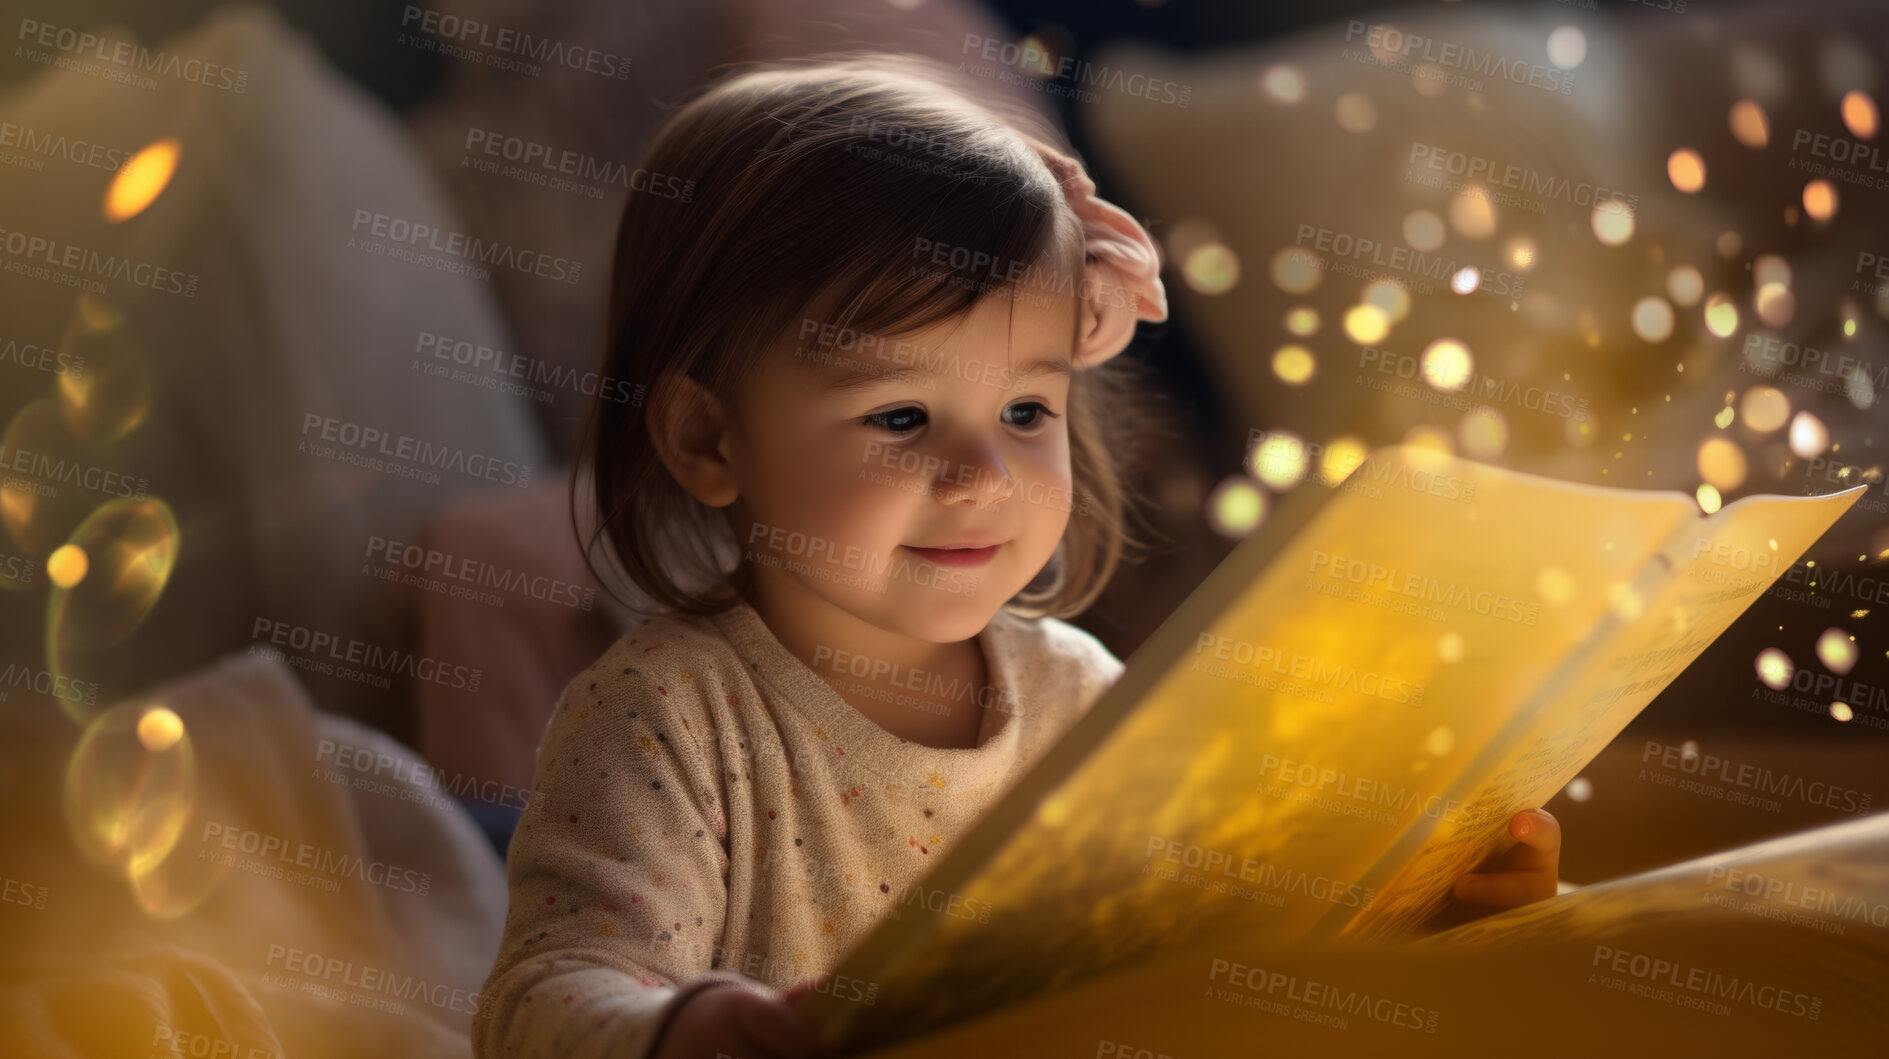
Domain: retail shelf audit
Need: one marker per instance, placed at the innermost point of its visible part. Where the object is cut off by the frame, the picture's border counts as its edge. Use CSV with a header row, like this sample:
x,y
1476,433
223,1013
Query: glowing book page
x,y
1317,697
1707,574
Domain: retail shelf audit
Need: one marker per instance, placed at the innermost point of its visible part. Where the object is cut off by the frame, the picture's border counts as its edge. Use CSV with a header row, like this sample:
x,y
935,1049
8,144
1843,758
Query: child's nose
x,y
978,479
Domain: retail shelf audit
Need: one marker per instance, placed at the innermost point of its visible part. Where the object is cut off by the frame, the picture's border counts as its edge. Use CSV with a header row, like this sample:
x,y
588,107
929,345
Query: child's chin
x,y
943,618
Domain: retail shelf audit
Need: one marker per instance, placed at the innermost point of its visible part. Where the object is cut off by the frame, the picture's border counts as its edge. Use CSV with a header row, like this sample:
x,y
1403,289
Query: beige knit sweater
x,y
708,810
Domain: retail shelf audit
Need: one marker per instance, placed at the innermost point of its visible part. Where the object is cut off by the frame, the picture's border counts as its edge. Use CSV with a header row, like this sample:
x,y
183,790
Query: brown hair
x,y
811,184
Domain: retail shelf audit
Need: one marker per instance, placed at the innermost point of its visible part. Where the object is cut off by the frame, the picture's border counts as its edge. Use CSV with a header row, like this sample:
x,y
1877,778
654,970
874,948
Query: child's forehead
x,y
993,339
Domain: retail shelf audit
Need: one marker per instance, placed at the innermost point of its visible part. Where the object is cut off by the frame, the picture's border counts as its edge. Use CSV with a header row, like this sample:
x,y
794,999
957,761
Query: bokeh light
x,y
1211,268
1613,222
1236,507
1820,200
1836,649
1294,365
1809,437
1764,408
1859,114
1686,170
1749,124
141,179
1367,324
1447,365
1775,669
1653,319
1279,459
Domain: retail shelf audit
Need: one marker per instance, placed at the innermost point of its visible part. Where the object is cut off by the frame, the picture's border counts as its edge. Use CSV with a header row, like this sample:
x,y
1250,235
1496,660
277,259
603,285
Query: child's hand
x,y
1526,873
727,1021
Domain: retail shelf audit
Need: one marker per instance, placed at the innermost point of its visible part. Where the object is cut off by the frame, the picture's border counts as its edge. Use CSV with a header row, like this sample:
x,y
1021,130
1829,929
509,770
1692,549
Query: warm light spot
x,y
1450,647
1388,296
1749,125
1279,460
1294,365
1820,200
1724,417
1722,463
1709,500
1721,316
1423,230
1685,285
1484,433
1653,319
160,729
1447,365
1613,222
1686,170
1764,408
1429,439
1555,586
1366,324
1302,320
1235,507
1211,268
1770,268
1809,437
1440,741
1472,214
1859,387
1775,668
1579,789
1841,711
1776,305
1294,270
1521,251
1567,46
1859,113
67,565
1342,456
141,179
1283,83
1466,280
1626,603
1356,112
1837,650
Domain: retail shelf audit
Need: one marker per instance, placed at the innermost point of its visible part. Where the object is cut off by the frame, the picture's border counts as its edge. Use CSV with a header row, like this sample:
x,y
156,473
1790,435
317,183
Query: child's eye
x,y
1027,414
897,420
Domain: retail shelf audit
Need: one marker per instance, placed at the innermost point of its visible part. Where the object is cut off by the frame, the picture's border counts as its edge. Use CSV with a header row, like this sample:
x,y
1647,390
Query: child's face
x,y
919,502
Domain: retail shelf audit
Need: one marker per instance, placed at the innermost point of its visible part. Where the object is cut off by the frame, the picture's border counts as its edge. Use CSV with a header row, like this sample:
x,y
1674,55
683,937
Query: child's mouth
x,y
956,556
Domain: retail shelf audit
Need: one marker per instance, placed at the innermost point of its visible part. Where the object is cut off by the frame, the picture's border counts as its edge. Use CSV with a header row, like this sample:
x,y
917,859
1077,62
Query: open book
x,y
1329,731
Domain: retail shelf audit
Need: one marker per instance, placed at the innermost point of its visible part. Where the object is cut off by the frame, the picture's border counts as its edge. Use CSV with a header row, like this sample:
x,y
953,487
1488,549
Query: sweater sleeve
x,y
618,877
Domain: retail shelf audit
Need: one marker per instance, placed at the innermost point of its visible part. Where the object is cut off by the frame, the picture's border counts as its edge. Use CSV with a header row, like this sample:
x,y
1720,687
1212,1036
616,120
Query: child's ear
x,y
689,427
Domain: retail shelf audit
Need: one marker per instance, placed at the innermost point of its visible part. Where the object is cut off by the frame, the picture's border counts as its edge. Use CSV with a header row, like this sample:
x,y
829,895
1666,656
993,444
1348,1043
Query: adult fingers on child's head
x,y
1505,889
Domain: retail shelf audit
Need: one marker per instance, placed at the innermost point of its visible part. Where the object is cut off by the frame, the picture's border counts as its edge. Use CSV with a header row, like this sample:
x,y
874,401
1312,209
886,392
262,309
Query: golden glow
x,y
1521,251
142,178
1770,268
1626,603
1211,268
1775,304
160,729
1342,456
1721,316
1613,222
1440,741
1294,365
1467,280
1283,83
1555,586
1685,285
1725,417
1652,319
1302,321
1579,789
1235,507
1447,365
1450,647
1356,112
1484,433
125,802
1567,46
1279,460
1472,214
1749,124
1859,113
1423,230
1764,408
1820,200
1841,711
1836,649
1709,500
1686,170
1388,296
1809,437
67,565
1366,324
1722,463
1775,669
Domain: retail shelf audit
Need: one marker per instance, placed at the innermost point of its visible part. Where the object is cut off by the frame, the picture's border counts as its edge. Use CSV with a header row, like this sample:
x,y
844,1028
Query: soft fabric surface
x,y
373,942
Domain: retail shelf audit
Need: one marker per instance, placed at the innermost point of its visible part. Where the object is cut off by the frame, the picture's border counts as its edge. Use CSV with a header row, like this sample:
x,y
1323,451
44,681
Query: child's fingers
x,y
1539,836
1505,889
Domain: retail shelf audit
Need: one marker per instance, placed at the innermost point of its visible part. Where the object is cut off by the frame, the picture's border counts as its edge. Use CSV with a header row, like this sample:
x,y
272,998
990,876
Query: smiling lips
x,y
957,556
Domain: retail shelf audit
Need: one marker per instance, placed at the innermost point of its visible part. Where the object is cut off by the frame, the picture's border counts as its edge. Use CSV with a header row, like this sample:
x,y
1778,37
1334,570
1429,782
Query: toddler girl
x,y
873,456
